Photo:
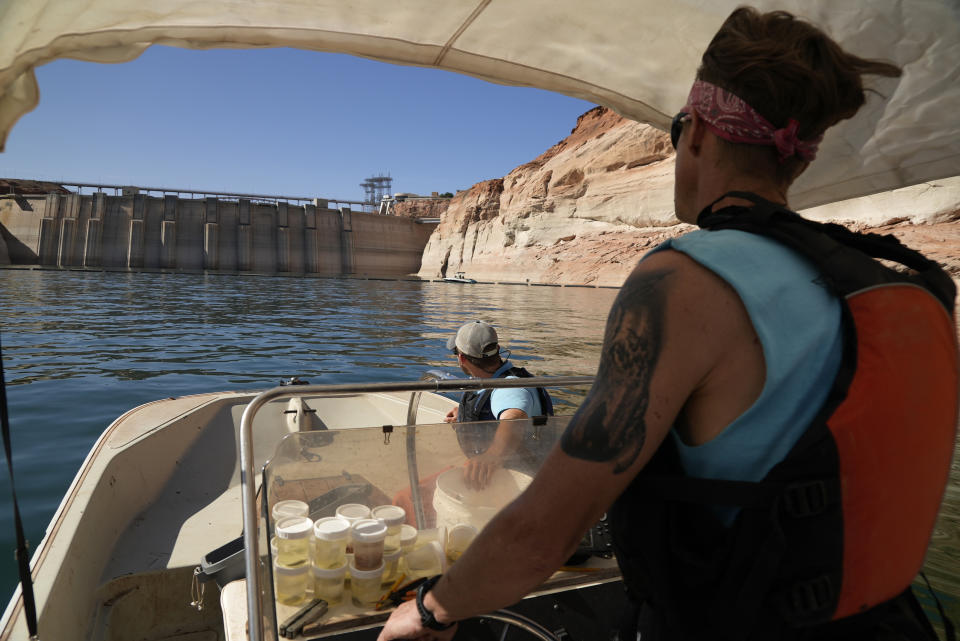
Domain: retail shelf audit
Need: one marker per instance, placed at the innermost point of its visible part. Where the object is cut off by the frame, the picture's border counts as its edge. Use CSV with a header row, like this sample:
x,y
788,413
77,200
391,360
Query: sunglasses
x,y
676,127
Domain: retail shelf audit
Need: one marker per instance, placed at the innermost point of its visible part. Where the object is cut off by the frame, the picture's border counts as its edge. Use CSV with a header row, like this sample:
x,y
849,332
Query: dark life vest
x,y
837,531
475,406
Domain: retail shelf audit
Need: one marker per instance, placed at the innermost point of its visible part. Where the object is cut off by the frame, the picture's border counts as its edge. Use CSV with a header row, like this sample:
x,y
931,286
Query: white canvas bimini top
x,y
636,56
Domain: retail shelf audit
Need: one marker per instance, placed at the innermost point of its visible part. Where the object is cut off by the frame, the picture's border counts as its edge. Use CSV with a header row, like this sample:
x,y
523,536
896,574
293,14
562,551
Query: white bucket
x,y
455,503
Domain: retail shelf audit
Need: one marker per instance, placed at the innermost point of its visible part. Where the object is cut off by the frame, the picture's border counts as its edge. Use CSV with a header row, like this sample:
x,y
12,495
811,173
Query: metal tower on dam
x,y
376,187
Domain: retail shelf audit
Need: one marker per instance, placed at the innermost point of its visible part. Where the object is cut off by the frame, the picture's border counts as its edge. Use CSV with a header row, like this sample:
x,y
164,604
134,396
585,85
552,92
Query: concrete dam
x,y
138,231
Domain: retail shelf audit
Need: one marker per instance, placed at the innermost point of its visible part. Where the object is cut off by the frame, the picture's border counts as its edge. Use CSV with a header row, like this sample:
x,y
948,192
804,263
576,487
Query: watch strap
x,y
426,616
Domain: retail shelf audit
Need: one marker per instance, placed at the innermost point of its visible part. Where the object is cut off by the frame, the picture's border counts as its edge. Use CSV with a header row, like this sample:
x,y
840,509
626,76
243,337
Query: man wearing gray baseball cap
x,y
490,446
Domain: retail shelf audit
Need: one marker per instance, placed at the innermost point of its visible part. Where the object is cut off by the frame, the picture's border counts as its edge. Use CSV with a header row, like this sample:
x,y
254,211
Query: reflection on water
x,y
81,348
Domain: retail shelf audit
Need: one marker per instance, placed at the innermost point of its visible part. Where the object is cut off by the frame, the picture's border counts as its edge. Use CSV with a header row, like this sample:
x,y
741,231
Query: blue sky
x,y
278,121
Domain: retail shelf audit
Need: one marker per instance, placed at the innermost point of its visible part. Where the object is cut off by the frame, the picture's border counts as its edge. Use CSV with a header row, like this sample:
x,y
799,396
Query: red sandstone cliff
x,y
588,208
421,207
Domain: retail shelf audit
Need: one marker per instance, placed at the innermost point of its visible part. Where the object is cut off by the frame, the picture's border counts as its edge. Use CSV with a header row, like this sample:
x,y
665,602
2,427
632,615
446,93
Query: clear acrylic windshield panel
x,y
441,476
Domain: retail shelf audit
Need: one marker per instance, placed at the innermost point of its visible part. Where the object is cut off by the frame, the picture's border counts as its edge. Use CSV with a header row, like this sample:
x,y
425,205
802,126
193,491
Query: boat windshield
x,y
438,503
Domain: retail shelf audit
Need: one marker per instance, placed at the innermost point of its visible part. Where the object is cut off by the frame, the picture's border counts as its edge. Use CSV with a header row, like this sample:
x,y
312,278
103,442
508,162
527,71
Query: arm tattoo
x,y
611,423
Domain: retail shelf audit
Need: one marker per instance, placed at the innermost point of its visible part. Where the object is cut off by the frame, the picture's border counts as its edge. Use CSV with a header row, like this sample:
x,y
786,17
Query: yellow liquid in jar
x,y
366,592
330,590
329,554
291,587
392,542
293,552
391,570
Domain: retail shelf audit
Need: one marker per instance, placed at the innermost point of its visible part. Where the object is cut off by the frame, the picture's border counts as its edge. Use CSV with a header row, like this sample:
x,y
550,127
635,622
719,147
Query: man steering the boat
x,y
773,418
490,445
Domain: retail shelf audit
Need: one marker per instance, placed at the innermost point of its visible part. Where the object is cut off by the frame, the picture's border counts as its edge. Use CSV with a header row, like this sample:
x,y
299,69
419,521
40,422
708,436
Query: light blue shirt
x,y
523,399
798,323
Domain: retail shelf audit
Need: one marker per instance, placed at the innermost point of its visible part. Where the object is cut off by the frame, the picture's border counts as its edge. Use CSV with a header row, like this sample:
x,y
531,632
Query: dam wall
x,y
140,231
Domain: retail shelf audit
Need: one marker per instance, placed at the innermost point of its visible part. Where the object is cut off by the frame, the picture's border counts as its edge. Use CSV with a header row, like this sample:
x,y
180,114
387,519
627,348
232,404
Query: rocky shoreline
x,y
587,209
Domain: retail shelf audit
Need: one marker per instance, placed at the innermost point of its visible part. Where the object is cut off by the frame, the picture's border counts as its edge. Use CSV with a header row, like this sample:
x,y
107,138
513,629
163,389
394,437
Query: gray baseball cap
x,y
477,339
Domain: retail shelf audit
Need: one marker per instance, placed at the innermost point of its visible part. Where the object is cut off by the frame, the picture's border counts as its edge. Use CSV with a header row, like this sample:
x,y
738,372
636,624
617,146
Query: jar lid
x,y
290,507
392,555
288,570
353,511
368,531
376,573
331,528
392,515
461,533
330,573
294,527
408,534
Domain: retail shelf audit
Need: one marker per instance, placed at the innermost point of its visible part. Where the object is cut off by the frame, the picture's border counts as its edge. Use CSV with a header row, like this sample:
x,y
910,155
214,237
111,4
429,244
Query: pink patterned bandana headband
x,y
731,118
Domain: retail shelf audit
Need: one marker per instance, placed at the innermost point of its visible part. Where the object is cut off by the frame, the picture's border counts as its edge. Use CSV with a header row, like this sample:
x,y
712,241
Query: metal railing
x,y
247,478
198,192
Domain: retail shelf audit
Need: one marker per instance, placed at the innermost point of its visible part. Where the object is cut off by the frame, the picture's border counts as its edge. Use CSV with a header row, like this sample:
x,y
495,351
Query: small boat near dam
x,y
459,277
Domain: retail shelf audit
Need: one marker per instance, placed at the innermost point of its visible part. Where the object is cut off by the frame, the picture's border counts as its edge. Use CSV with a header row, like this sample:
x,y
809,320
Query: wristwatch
x,y
426,616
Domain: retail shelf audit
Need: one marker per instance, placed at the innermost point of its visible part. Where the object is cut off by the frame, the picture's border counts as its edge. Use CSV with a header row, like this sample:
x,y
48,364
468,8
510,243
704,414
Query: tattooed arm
x,y
671,325
611,423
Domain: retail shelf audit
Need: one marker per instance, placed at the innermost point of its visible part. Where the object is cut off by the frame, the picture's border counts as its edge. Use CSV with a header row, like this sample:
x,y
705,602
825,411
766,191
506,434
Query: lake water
x,y
81,348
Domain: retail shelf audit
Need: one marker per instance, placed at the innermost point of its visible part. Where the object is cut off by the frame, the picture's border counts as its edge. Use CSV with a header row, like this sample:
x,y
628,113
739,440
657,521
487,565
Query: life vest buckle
x,y
805,499
810,598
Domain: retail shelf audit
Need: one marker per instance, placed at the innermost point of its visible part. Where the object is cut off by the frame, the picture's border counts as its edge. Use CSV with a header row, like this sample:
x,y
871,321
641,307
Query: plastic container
x,y
291,583
293,541
456,503
291,507
330,542
328,583
353,512
365,585
458,539
393,517
408,537
391,566
424,561
368,536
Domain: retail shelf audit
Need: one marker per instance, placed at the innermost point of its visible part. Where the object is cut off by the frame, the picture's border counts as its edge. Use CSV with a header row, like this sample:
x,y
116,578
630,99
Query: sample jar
x,y
458,539
328,583
353,512
365,585
393,517
408,537
293,540
291,583
391,566
368,536
290,507
330,542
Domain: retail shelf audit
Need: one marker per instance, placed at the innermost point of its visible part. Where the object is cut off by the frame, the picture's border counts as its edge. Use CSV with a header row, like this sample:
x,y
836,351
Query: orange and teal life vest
x,y
837,531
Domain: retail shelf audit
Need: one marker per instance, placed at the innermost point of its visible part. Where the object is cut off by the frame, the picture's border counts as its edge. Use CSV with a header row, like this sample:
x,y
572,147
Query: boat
x,y
150,525
459,277
150,540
